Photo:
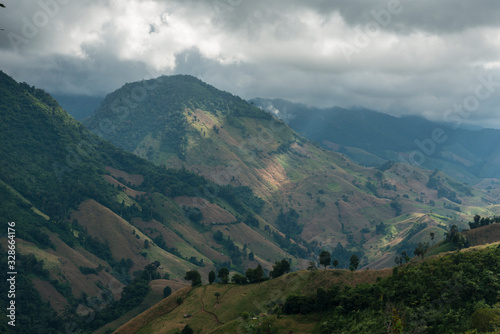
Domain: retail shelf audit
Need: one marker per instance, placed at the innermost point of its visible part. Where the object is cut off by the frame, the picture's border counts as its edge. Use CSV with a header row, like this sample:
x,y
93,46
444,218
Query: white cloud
x,y
422,61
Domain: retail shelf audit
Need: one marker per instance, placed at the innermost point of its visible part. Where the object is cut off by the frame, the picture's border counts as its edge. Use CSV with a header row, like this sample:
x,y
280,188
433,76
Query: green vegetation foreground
x,y
453,293
457,293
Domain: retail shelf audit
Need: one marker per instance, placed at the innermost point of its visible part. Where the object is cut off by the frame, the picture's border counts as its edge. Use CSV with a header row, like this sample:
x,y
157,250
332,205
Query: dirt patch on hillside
x,y
154,228
158,285
274,174
209,123
163,307
49,294
106,226
212,213
131,192
134,179
484,235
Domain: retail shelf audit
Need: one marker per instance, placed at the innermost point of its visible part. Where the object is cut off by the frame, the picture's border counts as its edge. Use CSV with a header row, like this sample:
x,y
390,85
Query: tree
x,y
354,262
239,279
255,275
211,277
217,295
223,274
146,244
187,330
149,272
335,263
167,291
421,249
193,276
280,268
311,266
325,259
251,256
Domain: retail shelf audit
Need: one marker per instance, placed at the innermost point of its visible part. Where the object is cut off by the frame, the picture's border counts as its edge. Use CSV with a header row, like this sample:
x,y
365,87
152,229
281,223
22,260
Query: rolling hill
x,y
446,293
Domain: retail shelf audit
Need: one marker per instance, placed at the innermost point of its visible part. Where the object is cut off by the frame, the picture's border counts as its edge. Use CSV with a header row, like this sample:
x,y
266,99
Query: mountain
x,y
370,138
317,198
97,227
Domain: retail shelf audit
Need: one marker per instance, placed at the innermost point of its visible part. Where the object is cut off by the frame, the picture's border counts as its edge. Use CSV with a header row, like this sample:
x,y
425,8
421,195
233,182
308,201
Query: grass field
x,y
210,314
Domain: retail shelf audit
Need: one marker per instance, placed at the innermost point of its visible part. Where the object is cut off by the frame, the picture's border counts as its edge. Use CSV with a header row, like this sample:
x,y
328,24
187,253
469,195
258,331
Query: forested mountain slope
x,y
316,197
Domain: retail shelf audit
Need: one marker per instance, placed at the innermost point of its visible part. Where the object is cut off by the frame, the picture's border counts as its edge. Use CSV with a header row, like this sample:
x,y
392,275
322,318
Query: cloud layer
x,y
400,57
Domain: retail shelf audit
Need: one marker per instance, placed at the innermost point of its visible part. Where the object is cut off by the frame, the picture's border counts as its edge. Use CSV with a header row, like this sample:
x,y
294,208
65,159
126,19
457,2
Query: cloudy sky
x,y
440,59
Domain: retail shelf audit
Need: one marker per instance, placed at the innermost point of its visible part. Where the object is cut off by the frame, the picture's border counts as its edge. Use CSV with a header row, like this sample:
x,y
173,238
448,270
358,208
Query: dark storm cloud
x,y
400,57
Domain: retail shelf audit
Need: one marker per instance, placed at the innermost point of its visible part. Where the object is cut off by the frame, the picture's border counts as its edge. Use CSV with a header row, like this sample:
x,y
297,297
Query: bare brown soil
x,y
212,213
134,179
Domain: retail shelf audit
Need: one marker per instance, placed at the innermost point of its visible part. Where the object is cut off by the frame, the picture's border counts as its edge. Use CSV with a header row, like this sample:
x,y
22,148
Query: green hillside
x,y
93,220
317,198
454,293
98,227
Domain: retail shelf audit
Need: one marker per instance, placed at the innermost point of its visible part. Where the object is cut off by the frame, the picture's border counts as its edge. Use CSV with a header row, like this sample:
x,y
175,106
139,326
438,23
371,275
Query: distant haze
x,y
439,59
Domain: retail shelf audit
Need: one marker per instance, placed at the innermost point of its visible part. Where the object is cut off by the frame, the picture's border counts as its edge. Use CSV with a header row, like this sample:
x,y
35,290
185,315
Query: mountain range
x,y
171,175
371,138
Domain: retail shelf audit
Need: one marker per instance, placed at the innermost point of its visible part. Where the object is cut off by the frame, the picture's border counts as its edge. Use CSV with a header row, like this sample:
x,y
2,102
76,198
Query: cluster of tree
x,y
288,223
344,256
405,245
388,186
160,242
242,199
251,276
325,259
287,245
483,221
132,295
456,293
234,251
456,238
398,209
436,183
385,166
371,188
193,276
250,220
421,249
280,268
193,214
254,275
380,228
